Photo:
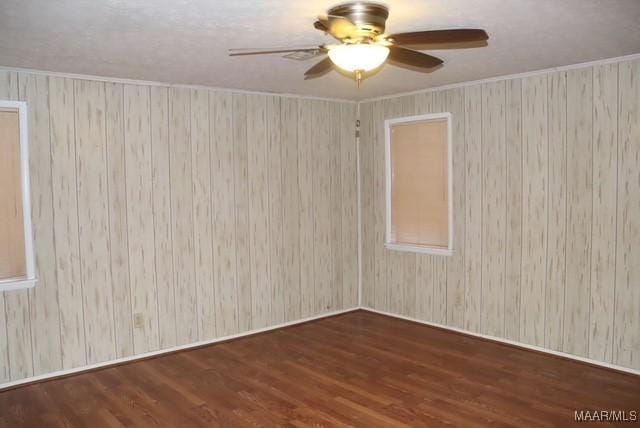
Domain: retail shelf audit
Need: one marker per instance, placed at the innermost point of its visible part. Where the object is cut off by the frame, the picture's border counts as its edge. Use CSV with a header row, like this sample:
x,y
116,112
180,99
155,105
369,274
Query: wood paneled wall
x,y
546,188
198,213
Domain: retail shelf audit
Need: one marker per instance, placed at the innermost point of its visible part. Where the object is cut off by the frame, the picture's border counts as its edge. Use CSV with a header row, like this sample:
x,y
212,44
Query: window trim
x,y
387,148
30,279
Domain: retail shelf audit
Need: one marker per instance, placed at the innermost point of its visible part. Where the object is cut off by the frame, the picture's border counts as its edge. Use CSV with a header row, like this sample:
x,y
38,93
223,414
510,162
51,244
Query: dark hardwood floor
x,y
356,369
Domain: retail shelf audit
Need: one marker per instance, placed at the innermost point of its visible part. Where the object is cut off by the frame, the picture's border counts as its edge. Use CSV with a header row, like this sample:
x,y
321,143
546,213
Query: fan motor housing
x,y
369,17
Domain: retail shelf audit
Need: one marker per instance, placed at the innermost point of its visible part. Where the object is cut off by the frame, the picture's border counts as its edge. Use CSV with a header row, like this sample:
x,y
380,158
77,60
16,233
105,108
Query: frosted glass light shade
x,y
362,57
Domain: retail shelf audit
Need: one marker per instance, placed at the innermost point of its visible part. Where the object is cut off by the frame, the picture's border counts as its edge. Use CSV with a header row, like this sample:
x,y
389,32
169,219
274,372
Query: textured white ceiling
x,y
186,41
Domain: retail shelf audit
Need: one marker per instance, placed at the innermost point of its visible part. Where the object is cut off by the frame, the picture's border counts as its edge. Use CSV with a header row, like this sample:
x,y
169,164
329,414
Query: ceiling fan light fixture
x,y
358,57
359,27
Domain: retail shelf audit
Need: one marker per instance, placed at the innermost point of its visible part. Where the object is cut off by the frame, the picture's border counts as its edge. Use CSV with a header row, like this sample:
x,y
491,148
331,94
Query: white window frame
x,y
30,279
388,124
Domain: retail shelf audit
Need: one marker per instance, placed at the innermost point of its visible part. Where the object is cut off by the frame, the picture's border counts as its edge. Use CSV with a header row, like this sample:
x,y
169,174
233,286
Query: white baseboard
x,y
117,361
508,342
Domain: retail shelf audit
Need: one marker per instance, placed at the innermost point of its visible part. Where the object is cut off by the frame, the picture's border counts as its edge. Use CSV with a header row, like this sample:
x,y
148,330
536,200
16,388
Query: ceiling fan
x,y
359,27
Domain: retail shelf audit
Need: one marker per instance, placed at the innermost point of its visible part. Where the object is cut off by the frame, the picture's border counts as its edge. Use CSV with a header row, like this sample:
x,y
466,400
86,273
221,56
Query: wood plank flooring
x,y
356,369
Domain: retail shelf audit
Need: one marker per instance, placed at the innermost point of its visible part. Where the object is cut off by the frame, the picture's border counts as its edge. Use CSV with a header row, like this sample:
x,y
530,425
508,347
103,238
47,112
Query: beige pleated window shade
x,y
13,262
419,183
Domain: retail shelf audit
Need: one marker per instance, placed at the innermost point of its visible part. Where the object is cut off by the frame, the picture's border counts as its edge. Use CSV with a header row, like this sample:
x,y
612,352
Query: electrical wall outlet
x,y
138,320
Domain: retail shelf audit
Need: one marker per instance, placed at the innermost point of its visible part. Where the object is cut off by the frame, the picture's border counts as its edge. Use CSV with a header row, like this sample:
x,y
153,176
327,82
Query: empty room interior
x,y
279,213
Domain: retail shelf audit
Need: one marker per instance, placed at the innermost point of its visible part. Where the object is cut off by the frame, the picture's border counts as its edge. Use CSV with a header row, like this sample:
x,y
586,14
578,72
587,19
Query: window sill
x,y
17,284
419,249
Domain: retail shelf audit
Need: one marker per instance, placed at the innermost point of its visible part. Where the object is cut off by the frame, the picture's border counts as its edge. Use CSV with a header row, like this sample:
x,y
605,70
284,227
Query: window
x,y
418,184
16,248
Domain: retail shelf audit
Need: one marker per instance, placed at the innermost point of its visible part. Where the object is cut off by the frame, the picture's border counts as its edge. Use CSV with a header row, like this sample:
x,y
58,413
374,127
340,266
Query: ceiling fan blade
x,y
319,69
338,26
263,51
403,56
465,35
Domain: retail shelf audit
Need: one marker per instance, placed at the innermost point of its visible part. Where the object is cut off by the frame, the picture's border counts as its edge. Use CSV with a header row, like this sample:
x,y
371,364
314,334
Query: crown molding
x,y
167,85
507,77
630,57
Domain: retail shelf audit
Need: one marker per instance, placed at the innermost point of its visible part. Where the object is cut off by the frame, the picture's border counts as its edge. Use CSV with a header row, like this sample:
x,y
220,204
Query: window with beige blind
x,y
418,184
16,249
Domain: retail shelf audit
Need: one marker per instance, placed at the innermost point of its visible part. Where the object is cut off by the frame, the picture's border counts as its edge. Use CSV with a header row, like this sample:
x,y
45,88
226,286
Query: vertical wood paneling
x,y
603,252
140,231
65,225
473,208
162,224
424,287
162,207
223,211
549,172
349,199
20,353
118,230
16,324
93,220
493,207
557,224
95,246
290,208
241,183
44,324
335,208
202,220
513,240
455,264
579,207
182,215
276,241
366,147
257,145
535,164
626,347
321,206
306,111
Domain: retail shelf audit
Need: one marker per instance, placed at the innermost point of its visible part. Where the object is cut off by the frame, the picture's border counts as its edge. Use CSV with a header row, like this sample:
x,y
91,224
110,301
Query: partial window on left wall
x,y
16,248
